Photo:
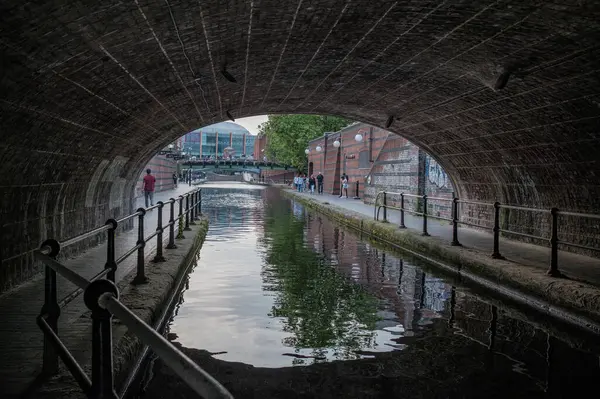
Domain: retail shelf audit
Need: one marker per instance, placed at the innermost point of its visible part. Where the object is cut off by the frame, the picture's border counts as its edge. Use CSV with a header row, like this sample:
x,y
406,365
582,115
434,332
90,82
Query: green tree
x,y
288,135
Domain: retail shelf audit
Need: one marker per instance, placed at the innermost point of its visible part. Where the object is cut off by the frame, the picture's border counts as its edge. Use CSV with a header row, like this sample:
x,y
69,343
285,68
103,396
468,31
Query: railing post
x,y
455,222
402,225
385,207
171,244
425,233
193,208
140,277
496,254
553,271
180,235
187,213
51,310
110,250
102,350
159,237
356,196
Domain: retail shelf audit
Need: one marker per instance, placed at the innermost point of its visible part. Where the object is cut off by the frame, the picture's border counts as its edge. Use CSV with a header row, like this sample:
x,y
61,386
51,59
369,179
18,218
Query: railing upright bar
x,y
51,311
455,218
110,249
140,277
171,244
159,257
96,358
187,213
402,225
425,233
385,207
192,209
553,271
108,387
496,254
180,219
102,349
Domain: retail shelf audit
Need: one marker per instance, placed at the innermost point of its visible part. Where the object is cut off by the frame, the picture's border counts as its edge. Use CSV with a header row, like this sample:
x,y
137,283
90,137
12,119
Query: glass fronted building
x,y
216,140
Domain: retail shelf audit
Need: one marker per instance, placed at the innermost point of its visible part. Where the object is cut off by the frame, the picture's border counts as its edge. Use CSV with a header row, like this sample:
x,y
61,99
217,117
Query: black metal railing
x,y
100,295
381,202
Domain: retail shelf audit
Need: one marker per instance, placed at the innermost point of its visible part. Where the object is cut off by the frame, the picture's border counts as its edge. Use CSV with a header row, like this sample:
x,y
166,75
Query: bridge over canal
x,y
504,94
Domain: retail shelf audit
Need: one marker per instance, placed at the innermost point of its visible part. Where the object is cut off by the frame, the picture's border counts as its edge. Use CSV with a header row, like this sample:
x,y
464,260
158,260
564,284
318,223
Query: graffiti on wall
x,y
436,174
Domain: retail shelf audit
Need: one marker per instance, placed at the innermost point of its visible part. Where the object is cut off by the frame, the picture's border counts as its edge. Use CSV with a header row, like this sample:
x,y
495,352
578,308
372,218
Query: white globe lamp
x,y
358,137
336,144
319,148
306,151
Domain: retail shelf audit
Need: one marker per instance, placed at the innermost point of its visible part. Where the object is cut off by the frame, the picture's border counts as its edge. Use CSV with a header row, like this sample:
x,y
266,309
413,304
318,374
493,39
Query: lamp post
x,y
307,151
320,149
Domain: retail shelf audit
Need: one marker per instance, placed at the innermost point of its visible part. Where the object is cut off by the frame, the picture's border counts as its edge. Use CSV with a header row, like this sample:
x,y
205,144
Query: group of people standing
x,y
303,182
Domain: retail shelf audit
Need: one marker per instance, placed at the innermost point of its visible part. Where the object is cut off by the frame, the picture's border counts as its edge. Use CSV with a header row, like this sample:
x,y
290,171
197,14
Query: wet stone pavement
x,y
285,303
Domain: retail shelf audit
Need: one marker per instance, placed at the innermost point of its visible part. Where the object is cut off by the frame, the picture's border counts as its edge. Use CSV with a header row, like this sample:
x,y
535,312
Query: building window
x,y
363,160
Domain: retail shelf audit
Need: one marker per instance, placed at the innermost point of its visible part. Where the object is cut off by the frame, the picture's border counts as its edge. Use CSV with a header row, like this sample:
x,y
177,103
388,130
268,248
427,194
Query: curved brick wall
x,y
90,91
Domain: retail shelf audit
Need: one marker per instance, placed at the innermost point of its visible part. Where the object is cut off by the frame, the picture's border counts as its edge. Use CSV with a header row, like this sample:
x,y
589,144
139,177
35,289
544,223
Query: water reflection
x,y
278,286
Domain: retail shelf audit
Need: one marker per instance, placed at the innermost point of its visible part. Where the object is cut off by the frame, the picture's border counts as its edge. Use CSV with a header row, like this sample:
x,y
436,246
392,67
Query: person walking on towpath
x,y
320,183
148,187
311,184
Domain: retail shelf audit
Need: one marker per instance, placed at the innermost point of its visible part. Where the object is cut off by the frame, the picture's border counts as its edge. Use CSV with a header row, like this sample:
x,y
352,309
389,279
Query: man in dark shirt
x,y
320,183
148,187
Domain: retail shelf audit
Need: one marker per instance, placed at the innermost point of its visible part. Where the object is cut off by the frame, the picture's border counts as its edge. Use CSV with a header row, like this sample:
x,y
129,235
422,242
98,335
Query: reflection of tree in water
x,y
321,308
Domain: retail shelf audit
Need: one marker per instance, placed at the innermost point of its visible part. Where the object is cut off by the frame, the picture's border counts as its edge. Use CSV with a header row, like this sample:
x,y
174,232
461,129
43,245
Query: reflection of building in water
x,y
415,298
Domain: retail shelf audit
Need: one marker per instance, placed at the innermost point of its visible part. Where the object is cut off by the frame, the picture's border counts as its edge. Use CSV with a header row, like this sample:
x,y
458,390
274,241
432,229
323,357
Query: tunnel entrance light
x,y
337,143
358,137
319,148
306,151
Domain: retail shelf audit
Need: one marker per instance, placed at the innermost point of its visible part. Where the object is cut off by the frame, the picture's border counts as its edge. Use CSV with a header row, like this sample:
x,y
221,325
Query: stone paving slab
x,y
21,339
575,266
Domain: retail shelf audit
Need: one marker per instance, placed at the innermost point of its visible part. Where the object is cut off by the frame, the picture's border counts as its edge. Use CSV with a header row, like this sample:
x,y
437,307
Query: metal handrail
x,y
554,213
198,379
101,383
83,236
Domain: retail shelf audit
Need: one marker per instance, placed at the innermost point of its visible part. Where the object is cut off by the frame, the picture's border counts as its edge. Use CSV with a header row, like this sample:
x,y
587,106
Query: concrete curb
x,y
571,301
148,301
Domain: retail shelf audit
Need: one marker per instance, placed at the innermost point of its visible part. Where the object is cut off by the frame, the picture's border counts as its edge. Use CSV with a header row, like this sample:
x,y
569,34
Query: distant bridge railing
x,y
101,296
381,202
239,163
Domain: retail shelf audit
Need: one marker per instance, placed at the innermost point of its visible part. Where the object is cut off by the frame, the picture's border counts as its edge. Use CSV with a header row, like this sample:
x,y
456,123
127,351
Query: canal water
x,y
285,303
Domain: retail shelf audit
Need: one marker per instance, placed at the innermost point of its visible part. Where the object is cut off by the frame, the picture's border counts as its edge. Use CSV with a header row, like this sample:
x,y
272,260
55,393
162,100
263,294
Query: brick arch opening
x,y
504,94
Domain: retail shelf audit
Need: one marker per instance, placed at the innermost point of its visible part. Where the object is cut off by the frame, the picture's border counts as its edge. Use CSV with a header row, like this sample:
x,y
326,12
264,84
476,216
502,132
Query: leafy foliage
x,y
318,306
288,135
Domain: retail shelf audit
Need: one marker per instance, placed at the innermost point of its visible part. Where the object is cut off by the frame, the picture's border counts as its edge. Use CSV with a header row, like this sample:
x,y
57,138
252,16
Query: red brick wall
x,y
260,144
163,169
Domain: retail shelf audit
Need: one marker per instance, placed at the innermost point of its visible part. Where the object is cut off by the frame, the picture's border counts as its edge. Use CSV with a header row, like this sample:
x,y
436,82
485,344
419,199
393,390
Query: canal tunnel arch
x,y
504,94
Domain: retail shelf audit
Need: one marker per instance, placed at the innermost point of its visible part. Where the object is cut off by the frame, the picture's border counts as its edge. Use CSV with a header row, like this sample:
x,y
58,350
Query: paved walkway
x,y
575,266
21,339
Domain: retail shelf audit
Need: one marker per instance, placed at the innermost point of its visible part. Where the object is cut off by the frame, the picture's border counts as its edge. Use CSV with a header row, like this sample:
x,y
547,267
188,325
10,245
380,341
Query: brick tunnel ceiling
x,y
94,81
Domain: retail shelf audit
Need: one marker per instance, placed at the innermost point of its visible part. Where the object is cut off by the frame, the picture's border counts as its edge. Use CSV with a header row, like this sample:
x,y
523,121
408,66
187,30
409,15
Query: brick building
x,y
379,160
